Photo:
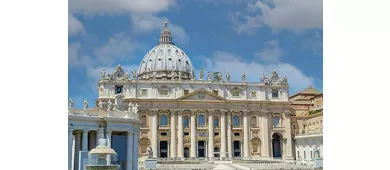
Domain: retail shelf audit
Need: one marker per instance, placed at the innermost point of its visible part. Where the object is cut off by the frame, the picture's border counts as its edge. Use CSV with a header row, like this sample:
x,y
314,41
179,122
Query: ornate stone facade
x,y
209,117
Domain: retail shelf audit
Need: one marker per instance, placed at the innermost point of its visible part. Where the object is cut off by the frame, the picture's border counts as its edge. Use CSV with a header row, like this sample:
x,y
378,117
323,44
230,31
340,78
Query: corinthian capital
x,y
193,111
245,112
154,112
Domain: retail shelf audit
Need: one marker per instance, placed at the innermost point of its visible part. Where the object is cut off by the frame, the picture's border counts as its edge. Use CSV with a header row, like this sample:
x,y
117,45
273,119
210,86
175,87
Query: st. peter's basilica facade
x,y
207,117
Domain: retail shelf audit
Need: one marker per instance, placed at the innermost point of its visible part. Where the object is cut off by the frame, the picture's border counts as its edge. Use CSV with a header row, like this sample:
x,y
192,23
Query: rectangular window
x,y
186,92
163,92
275,94
118,89
298,154
215,92
163,134
236,94
253,94
236,134
186,133
216,134
144,92
304,154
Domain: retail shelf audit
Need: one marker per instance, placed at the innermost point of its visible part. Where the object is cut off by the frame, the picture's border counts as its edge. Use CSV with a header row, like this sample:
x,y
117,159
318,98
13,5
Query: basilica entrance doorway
x,y
163,149
186,152
201,149
276,146
236,149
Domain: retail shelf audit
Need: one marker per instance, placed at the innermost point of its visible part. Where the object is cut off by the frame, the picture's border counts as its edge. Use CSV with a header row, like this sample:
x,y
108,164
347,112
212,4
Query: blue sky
x,y
235,36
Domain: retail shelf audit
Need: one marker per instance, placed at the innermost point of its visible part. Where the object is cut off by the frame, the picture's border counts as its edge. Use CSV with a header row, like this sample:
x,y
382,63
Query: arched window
x,y
236,121
163,120
200,120
216,122
143,120
276,121
186,122
254,121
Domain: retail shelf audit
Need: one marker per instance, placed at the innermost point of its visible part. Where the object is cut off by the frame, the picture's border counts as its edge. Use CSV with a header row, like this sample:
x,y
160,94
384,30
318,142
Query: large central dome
x,y
166,61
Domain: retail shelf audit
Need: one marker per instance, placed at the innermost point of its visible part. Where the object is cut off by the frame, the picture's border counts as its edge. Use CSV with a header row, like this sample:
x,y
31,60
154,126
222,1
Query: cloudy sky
x,y
236,36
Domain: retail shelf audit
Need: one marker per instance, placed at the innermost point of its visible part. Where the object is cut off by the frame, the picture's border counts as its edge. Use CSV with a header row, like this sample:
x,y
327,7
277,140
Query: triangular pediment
x,y
201,94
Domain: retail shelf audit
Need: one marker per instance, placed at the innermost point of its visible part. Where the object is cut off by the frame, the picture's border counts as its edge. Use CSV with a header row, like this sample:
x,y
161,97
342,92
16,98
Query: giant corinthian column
x,y
211,136
223,135
180,134
287,118
173,134
154,133
193,134
246,135
229,133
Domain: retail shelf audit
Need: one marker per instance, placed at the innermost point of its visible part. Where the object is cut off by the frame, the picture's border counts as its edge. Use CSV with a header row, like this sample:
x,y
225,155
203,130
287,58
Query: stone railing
x,y
99,113
237,127
309,132
163,126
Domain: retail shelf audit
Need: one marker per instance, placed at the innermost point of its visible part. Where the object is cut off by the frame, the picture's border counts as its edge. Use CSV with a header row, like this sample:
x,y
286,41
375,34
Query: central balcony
x,y
238,127
163,127
200,127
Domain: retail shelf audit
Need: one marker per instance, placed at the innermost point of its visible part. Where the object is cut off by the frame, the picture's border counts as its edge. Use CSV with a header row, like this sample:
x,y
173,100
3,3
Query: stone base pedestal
x,y
318,163
150,163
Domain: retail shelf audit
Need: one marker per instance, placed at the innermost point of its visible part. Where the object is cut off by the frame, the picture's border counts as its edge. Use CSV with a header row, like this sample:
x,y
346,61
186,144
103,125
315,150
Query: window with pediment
x,y
163,120
216,122
186,122
236,121
201,120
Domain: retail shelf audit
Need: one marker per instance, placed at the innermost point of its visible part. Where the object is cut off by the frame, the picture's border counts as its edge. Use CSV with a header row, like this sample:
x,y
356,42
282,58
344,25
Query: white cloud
x,y
236,66
118,46
75,27
271,53
74,59
144,23
294,15
101,7
245,24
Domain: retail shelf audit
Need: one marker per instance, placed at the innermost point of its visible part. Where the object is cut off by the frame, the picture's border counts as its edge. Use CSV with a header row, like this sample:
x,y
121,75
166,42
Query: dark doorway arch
x,y
186,152
276,145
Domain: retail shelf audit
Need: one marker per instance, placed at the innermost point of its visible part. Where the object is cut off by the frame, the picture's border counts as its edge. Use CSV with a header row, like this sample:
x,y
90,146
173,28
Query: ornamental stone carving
x,y
134,73
103,74
110,106
100,105
243,77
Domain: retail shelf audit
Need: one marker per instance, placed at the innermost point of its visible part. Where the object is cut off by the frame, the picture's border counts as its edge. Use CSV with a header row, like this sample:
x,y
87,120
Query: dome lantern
x,y
165,36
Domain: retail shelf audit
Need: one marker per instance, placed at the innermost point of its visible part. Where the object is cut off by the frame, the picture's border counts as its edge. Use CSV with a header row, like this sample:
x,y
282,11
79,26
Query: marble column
x,y
193,135
173,135
135,149
246,135
70,144
129,151
229,134
180,148
287,118
77,149
223,135
211,136
109,138
154,133
265,137
85,140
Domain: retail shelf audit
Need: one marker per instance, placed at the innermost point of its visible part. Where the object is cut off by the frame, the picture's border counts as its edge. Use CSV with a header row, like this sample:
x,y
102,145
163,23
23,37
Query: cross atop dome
x,y
165,36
